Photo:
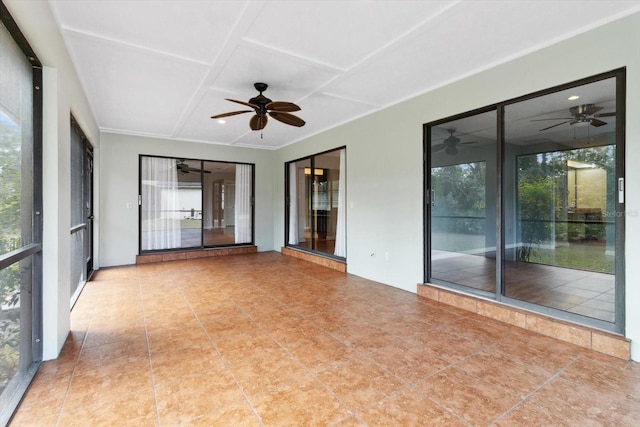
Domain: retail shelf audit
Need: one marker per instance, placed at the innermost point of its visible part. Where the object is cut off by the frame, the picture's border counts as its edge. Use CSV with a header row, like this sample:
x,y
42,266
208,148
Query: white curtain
x,y
160,216
341,226
293,205
303,199
243,204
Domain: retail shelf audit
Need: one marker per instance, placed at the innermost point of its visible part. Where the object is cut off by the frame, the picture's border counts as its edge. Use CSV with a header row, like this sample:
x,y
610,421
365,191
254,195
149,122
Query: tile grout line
x,y
226,364
407,386
528,396
146,335
302,365
77,359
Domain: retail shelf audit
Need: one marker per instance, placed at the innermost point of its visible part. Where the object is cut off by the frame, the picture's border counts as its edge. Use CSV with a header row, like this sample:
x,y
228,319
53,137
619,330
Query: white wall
x,y
119,189
62,94
384,156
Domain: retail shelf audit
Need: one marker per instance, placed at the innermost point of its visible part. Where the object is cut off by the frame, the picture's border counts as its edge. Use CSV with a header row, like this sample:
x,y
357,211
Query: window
x,y
316,217
81,210
20,215
525,201
186,203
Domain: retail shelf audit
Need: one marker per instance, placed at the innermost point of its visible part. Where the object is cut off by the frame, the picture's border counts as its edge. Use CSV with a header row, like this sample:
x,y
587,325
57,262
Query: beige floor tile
x,y
235,415
108,381
257,374
578,406
137,409
449,347
173,339
409,409
407,362
319,351
304,402
605,379
360,383
247,343
129,349
264,339
496,368
168,366
469,397
187,398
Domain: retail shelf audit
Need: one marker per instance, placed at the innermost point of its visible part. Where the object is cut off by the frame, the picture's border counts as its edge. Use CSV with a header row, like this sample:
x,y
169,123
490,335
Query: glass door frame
x,y
287,203
618,325
34,249
86,227
202,201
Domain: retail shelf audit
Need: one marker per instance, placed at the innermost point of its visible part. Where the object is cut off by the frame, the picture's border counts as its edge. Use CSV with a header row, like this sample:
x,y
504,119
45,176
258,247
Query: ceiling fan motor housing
x,y
260,100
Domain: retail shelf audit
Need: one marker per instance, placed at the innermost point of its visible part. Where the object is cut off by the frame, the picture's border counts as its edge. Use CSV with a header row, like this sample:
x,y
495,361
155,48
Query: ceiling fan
x,y
581,115
263,108
450,144
184,168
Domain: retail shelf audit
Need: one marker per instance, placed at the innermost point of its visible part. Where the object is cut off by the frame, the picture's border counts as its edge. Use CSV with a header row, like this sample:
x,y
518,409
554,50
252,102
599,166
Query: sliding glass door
x,y
187,203
525,201
20,215
81,210
316,217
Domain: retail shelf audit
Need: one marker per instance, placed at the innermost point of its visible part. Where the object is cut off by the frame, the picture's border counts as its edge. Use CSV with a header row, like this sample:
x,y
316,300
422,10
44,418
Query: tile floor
x,y
265,339
582,292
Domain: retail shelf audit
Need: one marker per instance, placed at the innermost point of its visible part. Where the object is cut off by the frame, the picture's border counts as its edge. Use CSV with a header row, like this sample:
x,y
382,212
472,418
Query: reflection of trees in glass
x,y
542,197
10,239
536,197
10,144
459,197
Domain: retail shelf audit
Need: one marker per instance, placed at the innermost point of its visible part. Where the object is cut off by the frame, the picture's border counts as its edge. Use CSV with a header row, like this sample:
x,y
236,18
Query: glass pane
x,y
15,325
16,141
78,214
300,219
219,203
463,201
78,211
190,202
560,215
326,177
10,188
161,216
242,201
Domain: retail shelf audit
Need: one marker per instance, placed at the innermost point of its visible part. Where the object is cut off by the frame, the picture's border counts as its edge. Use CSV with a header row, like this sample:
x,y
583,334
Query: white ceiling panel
x,y
133,90
456,46
200,127
185,28
321,108
289,78
271,137
340,34
163,67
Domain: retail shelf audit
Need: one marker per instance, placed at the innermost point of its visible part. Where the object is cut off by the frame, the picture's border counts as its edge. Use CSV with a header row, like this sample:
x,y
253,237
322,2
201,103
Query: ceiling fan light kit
x,y
265,108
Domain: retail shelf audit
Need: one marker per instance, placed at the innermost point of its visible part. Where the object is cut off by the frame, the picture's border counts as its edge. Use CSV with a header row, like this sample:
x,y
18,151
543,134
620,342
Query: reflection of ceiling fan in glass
x,y
450,144
581,115
184,168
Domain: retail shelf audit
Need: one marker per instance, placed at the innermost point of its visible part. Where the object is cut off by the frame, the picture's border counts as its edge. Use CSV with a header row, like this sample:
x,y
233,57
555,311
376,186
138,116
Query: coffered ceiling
x,y
162,68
